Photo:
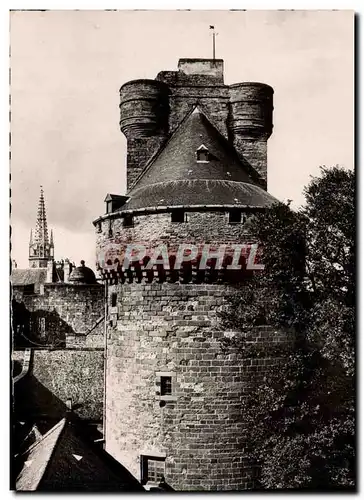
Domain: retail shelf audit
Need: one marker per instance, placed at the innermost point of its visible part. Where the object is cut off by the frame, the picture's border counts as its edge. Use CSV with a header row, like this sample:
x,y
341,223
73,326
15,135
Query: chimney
x,y
66,271
49,278
213,69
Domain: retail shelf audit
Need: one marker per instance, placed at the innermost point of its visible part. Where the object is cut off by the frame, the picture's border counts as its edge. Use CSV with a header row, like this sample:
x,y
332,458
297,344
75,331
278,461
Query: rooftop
x,y
65,460
31,276
177,175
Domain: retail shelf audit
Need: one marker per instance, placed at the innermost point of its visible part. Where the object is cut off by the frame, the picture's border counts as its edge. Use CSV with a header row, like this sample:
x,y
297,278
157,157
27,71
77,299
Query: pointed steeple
x,y
41,249
41,230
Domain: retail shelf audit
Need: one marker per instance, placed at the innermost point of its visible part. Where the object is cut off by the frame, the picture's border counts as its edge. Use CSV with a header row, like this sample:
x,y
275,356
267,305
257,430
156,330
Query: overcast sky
x,y
66,71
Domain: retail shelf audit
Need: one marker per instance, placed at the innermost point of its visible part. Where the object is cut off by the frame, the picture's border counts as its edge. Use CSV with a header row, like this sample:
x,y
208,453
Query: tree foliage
x,y
301,416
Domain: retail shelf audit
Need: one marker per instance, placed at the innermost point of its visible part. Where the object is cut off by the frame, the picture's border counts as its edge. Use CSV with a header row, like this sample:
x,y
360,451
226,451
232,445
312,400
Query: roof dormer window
x,y
202,154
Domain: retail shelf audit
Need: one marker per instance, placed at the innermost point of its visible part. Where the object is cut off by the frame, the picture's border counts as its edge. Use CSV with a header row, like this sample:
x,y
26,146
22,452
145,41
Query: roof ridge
x,y
61,424
209,118
154,157
252,172
198,108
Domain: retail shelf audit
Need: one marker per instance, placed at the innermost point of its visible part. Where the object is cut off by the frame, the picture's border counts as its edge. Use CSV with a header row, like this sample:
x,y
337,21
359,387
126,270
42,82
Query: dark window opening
x,y
235,217
202,155
98,227
113,299
28,289
166,386
178,216
128,221
152,469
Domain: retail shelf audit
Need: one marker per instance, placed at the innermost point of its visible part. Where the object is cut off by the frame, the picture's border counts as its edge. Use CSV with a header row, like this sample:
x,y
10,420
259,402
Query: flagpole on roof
x,y
213,42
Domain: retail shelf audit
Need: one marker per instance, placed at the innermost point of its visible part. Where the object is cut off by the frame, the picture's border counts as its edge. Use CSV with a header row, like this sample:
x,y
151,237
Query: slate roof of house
x,y
64,460
37,458
22,277
175,177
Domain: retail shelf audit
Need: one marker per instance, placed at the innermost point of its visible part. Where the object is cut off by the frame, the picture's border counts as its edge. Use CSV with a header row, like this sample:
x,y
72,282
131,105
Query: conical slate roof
x,y
175,176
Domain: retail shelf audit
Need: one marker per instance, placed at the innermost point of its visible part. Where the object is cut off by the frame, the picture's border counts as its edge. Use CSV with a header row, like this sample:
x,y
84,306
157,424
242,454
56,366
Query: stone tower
x,y
41,247
197,173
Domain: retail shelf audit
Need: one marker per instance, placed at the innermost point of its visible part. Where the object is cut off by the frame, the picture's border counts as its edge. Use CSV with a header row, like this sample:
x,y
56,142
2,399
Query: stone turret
x,y
151,110
173,408
250,122
144,121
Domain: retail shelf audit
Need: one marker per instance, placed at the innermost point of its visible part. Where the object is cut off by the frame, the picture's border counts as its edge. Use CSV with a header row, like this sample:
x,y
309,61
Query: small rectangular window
x,y
128,221
202,156
113,299
98,227
152,469
178,216
29,289
234,217
166,386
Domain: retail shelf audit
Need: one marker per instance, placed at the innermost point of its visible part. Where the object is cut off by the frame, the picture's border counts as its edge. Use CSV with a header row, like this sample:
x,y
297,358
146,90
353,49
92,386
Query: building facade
x,y
58,325
196,175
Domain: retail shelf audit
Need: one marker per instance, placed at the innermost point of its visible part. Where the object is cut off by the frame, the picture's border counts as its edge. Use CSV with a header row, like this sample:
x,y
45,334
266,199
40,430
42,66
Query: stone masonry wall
x,y
57,375
214,101
255,152
173,328
154,229
139,152
64,315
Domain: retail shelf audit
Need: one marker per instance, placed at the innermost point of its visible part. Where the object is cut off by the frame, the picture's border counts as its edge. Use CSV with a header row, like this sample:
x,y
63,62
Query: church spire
x,y
41,230
41,249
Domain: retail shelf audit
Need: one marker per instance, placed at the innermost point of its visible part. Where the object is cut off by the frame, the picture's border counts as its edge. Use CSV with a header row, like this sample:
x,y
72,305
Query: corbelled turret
x,y
152,110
